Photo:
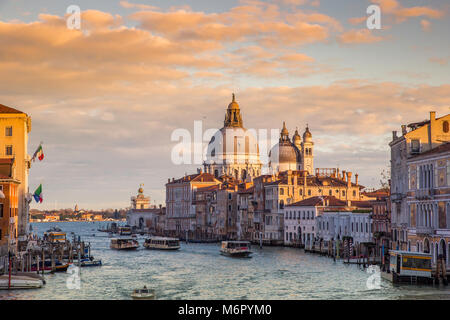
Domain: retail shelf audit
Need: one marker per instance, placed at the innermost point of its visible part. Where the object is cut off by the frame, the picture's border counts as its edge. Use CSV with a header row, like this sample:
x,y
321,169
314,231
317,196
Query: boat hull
x,y
20,282
149,247
245,254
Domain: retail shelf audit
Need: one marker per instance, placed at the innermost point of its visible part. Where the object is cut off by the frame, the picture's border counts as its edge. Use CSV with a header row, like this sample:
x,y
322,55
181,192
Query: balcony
x,y
424,230
424,194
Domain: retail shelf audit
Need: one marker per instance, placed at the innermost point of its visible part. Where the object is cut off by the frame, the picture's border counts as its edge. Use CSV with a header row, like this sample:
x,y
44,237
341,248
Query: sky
x,y
105,99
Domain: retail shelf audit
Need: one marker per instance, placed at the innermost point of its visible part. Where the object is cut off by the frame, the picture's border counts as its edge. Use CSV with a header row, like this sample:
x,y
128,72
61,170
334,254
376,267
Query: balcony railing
x,y
424,230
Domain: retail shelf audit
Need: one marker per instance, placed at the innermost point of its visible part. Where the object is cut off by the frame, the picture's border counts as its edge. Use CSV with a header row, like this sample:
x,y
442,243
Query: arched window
x,y
445,126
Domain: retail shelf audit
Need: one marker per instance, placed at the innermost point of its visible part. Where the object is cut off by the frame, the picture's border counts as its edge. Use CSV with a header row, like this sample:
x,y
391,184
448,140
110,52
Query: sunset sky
x,y
105,99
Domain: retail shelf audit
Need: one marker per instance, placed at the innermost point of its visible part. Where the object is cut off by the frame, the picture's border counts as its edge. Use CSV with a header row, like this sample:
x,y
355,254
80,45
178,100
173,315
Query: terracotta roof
x,y
361,204
5,109
315,201
198,177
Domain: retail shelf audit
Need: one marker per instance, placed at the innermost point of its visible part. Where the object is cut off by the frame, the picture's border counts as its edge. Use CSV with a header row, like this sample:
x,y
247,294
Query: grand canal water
x,y
198,271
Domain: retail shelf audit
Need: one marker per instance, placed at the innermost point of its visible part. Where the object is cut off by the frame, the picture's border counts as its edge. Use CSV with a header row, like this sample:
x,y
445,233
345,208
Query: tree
x,y
385,176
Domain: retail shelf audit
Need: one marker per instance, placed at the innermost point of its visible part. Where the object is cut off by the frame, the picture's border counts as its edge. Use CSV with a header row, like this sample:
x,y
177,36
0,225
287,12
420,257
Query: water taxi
x,y
236,249
124,244
162,243
408,267
143,294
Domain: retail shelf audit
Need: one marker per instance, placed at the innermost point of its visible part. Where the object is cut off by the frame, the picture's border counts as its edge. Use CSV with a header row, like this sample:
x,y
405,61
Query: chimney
x,y
356,179
403,129
349,180
168,180
338,174
344,175
394,135
289,177
432,116
430,128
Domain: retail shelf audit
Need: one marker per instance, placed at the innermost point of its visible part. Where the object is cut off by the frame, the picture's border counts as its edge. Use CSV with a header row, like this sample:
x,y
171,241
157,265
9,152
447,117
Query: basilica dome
x,y
233,150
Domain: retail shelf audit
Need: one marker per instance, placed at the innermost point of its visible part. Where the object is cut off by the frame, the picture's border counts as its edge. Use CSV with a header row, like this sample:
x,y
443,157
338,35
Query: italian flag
x,y
38,194
39,153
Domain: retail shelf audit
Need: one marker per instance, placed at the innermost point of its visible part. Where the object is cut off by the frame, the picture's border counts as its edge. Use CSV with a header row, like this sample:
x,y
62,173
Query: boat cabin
x,y
242,245
55,237
125,231
407,263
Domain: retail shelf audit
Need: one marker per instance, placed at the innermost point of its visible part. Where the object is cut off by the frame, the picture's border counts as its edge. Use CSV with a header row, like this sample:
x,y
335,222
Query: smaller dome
x,y
307,136
296,137
140,190
233,104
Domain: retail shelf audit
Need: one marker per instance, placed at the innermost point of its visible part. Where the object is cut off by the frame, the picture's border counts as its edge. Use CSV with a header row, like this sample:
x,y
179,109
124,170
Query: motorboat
x,y
143,294
124,244
236,249
59,266
162,243
90,262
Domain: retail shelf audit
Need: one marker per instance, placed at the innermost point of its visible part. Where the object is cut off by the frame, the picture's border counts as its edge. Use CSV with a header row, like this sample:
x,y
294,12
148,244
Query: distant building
x,y
14,129
180,213
300,218
142,215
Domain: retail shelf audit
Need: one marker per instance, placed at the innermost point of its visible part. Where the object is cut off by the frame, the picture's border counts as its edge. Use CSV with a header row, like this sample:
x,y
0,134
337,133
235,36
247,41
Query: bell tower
x,y
307,151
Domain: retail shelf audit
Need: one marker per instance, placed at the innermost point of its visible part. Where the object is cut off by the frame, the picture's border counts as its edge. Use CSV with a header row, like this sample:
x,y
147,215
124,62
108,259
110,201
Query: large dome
x,y
233,145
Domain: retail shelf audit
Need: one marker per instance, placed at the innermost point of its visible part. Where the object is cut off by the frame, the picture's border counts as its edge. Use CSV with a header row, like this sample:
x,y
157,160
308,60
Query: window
x,y
354,193
343,193
1,211
309,192
300,192
8,131
415,146
281,191
9,150
330,192
445,126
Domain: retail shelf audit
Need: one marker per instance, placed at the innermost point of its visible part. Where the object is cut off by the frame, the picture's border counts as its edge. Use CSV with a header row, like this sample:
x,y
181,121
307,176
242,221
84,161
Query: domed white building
x,y
295,155
233,150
